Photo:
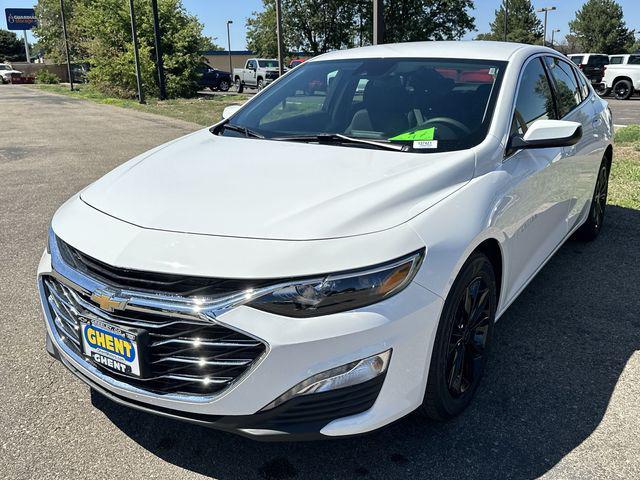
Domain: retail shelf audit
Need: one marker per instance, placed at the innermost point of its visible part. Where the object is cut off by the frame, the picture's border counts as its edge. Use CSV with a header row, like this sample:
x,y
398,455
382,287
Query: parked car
x,y
295,63
257,73
214,79
320,265
622,80
593,65
624,59
80,72
8,73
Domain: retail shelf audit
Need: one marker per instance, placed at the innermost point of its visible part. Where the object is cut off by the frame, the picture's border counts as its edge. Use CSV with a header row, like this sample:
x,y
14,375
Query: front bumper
x,y
297,349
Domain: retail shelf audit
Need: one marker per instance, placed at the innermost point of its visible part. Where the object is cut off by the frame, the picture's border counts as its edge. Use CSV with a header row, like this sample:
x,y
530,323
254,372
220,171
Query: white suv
x,y
333,255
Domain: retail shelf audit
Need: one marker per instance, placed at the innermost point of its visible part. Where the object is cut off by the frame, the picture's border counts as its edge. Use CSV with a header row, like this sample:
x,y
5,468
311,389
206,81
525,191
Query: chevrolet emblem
x,y
108,301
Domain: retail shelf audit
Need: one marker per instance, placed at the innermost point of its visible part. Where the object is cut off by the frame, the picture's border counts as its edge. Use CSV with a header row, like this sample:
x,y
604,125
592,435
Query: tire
x,y
224,86
459,345
260,84
602,90
239,86
623,89
591,228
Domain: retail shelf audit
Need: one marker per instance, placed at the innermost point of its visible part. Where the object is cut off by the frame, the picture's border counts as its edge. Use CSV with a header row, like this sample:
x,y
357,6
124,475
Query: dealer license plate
x,y
111,347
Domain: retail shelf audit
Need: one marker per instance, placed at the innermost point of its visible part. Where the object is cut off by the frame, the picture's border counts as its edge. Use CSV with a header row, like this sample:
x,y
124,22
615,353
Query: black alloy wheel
x,y
623,89
468,338
592,226
463,339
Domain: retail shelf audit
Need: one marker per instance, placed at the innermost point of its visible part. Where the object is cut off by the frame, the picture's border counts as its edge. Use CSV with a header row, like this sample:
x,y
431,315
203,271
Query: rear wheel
x,y
623,89
591,228
462,341
602,90
239,86
260,84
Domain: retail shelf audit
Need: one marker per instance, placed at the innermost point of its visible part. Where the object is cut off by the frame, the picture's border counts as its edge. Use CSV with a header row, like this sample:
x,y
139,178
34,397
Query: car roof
x,y
468,49
583,54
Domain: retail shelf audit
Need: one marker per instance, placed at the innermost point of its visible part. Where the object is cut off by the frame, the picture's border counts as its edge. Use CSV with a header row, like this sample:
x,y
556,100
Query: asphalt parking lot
x,y
625,112
561,398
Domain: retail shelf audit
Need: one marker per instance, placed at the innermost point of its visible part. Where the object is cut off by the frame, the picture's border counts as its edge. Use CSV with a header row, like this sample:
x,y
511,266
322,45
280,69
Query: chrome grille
x,y
183,355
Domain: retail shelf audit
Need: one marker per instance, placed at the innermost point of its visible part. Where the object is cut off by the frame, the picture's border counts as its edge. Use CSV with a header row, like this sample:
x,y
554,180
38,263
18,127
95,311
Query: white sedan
x,y
333,254
7,72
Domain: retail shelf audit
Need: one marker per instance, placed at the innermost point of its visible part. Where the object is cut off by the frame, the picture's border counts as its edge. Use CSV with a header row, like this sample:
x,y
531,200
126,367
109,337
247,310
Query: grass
x,y
201,110
624,188
624,183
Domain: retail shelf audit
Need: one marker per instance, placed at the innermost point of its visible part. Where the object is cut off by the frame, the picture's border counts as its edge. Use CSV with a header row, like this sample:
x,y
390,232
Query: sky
x,y
215,13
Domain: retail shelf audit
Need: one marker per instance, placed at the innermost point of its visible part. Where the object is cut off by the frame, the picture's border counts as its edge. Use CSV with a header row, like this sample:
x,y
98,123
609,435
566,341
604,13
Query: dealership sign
x,y
21,18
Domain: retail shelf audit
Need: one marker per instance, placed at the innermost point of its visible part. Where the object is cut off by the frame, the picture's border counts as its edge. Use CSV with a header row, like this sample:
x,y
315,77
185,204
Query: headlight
x,y
338,292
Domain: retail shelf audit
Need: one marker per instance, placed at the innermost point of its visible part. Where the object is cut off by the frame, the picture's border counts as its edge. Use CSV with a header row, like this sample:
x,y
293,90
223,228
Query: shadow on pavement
x,y
558,353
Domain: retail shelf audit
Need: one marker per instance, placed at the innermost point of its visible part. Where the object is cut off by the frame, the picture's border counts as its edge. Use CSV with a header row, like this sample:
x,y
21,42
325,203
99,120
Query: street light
x,y
229,22
506,17
545,10
554,31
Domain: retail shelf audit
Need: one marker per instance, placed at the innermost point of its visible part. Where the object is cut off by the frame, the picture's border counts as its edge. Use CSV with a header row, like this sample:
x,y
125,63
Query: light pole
x,y
545,10
506,17
66,42
378,22
229,22
158,45
136,57
553,32
279,37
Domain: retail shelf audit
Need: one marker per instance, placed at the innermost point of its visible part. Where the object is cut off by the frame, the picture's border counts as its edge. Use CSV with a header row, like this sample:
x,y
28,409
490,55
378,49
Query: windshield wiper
x,y
239,128
342,139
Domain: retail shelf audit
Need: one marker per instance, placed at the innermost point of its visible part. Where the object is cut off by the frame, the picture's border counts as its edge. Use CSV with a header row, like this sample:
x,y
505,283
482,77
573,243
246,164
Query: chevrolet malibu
x,y
333,254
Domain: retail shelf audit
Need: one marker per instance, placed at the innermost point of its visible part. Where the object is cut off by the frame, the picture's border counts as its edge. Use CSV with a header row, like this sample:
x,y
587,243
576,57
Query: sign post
x,y
22,19
66,43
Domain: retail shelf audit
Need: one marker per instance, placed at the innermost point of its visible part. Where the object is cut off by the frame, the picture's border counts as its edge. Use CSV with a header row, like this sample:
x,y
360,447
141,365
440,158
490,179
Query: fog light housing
x,y
353,373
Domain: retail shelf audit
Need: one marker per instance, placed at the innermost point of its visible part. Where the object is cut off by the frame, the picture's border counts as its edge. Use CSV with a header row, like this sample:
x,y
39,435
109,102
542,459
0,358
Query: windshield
x,y
577,59
428,104
268,63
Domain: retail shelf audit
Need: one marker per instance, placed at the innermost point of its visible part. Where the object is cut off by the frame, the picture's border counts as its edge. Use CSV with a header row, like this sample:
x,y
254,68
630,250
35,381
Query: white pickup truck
x,y
622,80
257,73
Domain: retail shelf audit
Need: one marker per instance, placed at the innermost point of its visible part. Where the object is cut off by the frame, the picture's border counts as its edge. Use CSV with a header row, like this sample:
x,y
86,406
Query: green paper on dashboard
x,y
424,134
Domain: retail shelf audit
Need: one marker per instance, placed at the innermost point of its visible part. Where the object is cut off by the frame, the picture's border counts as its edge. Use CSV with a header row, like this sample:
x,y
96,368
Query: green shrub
x,y
629,133
45,76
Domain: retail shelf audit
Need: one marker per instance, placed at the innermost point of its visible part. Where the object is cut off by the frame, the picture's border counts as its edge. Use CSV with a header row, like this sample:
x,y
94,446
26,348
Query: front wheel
x,y
591,228
462,340
623,89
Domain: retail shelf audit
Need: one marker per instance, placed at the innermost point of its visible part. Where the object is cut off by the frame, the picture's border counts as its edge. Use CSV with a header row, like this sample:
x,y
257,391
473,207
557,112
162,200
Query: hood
x,y
252,188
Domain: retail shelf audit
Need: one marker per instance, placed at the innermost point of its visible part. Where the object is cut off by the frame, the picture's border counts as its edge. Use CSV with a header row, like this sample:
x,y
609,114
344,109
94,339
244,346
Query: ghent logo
x,y
101,339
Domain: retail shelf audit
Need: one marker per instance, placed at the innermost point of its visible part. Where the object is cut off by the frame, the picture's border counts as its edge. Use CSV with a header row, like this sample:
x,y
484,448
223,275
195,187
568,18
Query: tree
x,y
11,47
599,26
318,26
415,20
99,32
523,26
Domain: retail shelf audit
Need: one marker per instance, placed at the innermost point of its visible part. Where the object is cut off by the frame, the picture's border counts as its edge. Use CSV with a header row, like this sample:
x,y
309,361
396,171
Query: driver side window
x,y
535,100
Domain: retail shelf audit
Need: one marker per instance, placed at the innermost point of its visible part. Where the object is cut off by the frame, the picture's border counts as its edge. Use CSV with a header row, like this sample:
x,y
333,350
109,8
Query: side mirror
x,y
548,133
230,110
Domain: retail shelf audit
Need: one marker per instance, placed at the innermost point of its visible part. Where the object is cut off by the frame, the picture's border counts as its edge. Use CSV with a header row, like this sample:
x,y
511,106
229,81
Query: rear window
x,y
615,60
577,59
598,60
